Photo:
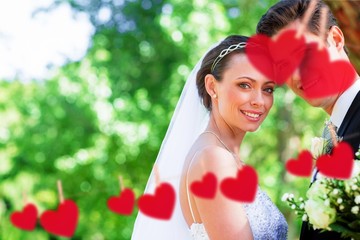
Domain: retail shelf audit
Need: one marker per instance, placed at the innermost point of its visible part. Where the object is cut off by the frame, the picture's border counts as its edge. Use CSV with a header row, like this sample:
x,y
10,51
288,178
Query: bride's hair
x,y
219,67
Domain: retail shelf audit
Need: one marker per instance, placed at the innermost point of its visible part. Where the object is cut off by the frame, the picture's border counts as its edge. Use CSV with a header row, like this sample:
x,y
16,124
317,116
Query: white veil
x,y
189,120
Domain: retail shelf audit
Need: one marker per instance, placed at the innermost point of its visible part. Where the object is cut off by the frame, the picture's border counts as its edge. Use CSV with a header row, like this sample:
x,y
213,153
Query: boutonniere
x,y
318,146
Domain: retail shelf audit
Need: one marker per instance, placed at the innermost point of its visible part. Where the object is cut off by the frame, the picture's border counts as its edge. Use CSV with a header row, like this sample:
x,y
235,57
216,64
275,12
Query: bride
x,y
224,97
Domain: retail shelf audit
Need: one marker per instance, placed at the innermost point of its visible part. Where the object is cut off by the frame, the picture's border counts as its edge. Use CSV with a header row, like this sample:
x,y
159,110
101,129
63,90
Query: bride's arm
x,y
222,217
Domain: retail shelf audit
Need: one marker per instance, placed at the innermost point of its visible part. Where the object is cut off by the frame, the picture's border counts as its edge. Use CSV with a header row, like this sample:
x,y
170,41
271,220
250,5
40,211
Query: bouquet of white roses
x,y
332,204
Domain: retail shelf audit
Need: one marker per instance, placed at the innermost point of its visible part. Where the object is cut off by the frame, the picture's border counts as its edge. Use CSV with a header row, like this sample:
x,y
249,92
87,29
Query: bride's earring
x,y
215,96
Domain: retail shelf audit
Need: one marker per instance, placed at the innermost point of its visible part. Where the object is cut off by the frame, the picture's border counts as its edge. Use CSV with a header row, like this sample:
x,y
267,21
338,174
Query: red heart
x,y
320,77
26,219
339,164
161,204
301,166
242,188
62,222
276,58
124,204
205,188
287,52
258,54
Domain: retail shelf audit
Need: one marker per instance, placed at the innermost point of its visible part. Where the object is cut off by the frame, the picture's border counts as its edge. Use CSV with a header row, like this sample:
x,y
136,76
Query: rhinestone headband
x,y
226,52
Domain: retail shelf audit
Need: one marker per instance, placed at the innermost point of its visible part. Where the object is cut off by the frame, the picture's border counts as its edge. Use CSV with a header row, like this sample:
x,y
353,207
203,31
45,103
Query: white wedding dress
x,y
266,221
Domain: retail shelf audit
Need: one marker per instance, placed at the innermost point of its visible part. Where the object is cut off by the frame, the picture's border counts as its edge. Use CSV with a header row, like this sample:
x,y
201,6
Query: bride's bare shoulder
x,y
213,159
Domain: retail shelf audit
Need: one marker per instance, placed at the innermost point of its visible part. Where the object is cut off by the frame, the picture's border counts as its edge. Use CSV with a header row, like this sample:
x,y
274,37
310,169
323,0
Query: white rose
x,y
319,215
317,191
317,146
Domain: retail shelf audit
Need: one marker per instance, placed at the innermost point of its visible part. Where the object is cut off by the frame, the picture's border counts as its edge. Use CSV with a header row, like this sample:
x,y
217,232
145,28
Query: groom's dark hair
x,y
286,11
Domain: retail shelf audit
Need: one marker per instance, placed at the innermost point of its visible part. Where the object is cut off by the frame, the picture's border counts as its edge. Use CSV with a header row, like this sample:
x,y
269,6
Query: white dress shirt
x,y
343,104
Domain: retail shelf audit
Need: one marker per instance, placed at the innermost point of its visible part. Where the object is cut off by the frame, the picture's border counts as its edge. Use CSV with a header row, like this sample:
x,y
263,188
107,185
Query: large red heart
x,y
276,58
205,188
339,164
161,204
301,166
287,52
124,204
26,219
258,54
62,222
242,188
321,77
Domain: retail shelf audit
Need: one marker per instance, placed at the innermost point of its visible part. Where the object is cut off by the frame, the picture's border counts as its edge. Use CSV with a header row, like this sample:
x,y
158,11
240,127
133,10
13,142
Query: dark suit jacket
x,y
350,131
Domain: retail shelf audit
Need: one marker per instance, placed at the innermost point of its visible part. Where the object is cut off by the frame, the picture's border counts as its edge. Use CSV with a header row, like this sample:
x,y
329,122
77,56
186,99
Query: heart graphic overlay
x,y
242,188
302,166
161,204
321,77
287,52
26,219
63,221
276,58
258,54
206,188
339,164
124,204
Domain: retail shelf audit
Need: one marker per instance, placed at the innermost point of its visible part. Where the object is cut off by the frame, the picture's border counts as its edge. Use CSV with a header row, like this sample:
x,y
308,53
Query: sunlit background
x,y
87,91
34,42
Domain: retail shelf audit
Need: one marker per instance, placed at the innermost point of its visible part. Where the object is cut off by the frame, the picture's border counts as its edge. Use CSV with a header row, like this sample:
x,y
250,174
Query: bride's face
x,y
245,96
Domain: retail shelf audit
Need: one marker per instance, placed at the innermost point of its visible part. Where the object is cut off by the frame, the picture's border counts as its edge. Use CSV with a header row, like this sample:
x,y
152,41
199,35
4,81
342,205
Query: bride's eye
x,y
244,85
269,90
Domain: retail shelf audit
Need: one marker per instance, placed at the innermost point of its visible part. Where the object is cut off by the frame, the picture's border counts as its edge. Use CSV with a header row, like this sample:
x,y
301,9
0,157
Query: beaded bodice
x,y
266,221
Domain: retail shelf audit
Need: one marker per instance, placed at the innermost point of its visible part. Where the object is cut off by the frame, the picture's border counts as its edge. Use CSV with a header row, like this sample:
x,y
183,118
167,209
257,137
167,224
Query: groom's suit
x,y
350,131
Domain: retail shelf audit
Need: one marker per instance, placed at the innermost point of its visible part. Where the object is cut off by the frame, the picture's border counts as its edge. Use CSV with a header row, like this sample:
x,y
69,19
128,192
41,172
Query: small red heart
x,y
25,220
321,77
339,164
302,166
161,204
205,188
124,204
242,188
62,222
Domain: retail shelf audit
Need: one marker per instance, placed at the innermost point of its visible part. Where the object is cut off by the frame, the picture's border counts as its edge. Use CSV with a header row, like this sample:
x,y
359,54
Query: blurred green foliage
x,y
107,114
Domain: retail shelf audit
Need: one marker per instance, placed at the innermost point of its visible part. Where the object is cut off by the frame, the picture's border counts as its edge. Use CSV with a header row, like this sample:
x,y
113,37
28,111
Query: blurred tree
x,y
347,13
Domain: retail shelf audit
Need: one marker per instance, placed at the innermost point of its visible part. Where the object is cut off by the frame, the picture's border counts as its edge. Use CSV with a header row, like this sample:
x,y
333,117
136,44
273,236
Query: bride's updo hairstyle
x,y
216,61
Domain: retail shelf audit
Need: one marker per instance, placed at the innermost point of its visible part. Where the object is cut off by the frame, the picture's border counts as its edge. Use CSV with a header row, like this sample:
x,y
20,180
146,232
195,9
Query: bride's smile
x,y
244,95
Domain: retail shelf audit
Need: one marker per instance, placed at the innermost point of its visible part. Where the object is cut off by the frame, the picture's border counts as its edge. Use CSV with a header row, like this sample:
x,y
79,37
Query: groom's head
x,y
287,14
287,11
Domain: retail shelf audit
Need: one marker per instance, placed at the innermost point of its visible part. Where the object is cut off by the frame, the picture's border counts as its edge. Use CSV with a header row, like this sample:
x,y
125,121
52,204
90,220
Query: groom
x,y
344,107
